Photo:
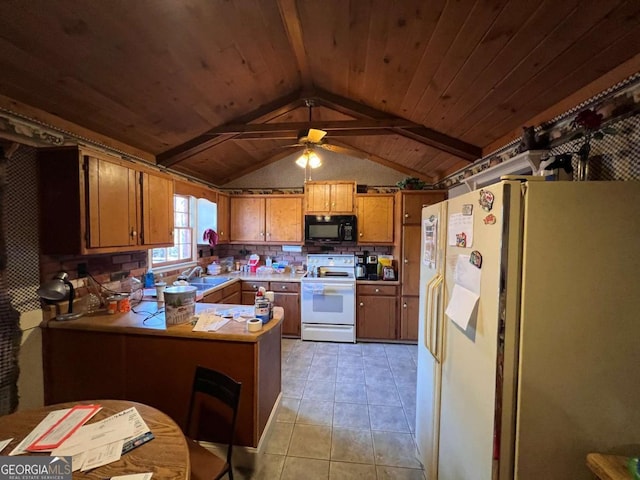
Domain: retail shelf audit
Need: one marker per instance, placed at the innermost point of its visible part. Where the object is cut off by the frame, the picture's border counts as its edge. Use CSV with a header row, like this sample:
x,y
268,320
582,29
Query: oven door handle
x,y
320,288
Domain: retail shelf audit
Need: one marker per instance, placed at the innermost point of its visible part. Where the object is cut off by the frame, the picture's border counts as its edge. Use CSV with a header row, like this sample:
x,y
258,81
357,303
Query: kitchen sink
x,y
204,283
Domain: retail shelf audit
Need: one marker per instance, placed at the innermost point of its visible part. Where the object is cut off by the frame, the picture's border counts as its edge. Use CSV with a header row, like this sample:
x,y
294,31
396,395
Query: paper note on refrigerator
x,y
430,246
460,230
467,275
461,306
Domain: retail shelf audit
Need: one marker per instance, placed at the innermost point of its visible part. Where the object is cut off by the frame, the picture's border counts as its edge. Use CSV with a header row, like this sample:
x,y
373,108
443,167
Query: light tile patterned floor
x,y
348,412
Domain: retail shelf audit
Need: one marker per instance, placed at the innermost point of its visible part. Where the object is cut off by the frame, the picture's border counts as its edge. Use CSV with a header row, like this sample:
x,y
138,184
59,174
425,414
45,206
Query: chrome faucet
x,y
189,275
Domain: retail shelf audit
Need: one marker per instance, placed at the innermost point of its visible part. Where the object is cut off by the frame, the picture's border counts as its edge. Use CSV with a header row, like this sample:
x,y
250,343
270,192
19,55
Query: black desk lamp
x,y
58,289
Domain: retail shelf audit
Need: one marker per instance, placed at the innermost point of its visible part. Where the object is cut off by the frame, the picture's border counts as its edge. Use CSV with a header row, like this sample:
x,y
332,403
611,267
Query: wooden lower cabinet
x,y
286,295
376,312
409,318
157,369
228,295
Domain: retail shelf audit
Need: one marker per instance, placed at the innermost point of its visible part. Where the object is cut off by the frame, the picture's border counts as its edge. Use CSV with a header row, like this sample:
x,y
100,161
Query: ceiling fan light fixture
x,y
310,158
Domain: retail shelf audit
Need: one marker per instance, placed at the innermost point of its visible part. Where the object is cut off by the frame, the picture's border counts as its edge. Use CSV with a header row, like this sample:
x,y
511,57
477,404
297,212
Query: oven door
x,y
332,303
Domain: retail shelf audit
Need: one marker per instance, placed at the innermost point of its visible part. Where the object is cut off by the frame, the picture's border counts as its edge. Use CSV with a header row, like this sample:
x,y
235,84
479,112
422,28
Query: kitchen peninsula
x,y
134,356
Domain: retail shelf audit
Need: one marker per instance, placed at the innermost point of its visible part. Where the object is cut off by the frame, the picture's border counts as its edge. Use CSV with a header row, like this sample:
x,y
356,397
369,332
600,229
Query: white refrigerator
x,y
529,333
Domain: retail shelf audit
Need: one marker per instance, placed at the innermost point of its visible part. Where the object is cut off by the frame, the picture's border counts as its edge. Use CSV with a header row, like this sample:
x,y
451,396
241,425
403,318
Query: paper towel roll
x,y
269,296
254,324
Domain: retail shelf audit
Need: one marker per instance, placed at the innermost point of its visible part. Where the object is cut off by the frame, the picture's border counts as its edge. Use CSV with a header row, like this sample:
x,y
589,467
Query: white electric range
x,y
328,299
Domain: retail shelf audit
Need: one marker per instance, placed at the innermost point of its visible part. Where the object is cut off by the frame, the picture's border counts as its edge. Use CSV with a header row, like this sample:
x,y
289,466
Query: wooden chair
x,y
204,463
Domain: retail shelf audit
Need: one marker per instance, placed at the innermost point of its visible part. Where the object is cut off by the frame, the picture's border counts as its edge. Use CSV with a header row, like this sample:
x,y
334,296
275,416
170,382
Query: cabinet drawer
x,y
230,290
292,287
376,289
253,286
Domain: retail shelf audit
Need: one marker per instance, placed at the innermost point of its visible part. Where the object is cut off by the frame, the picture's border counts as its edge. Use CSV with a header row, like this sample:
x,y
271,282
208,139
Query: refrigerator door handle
x,y
438,321
433,320
428,315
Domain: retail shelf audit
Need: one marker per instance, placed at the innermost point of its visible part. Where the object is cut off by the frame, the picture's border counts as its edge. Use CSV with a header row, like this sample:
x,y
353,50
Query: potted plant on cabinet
x,y
411,183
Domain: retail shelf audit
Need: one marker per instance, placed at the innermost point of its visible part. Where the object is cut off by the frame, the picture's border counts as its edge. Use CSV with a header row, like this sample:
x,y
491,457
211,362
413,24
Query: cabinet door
x,y
342,197
409,318
283,220
317,197
247,219
412,204
112,204
411,260
376,317
375,218
157,210
291,304
223,218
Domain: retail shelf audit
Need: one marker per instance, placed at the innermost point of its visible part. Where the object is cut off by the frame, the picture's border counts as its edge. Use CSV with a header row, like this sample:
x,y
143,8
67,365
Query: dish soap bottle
x,y
268,262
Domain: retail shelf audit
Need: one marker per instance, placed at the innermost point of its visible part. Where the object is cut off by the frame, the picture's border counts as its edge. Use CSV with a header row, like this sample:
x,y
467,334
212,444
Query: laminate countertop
x,y
149,319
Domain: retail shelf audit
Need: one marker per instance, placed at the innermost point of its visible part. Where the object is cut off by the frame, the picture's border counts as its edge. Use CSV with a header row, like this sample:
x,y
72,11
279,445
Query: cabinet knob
x,y
406,215
255,287
360,233
268,234
404,305
333,204
284,287
262,234
133,233
361,304
221,233
377,290
406,260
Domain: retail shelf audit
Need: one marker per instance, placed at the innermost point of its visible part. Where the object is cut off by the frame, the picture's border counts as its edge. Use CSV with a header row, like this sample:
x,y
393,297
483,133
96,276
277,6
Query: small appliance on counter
x,y
361,269
371,264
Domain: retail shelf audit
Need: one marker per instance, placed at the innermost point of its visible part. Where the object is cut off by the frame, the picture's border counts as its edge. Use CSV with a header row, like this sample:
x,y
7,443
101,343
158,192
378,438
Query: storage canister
x,y
262,309
179,304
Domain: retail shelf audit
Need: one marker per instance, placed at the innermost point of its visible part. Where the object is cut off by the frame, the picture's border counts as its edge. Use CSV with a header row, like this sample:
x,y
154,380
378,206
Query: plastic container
x,y
268,262
149,279
180,304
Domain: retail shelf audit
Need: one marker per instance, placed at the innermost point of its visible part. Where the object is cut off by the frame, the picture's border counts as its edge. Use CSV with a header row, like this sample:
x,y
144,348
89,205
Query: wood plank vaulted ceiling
x,y
218,88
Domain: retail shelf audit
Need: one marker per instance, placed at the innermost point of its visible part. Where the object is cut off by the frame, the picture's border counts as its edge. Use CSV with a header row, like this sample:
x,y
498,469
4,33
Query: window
x,y
183,248
187,212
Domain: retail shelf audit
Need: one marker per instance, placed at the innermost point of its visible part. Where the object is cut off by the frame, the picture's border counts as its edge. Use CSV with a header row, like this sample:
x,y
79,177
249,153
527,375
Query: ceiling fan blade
x,y
315,136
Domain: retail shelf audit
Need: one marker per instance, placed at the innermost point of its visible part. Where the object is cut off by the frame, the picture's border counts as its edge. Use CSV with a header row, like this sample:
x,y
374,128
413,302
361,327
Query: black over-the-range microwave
x,y
337,229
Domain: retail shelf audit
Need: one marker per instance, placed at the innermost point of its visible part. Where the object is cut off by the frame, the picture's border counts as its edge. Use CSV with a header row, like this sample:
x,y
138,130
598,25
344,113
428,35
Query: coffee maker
x,y
361,269
371,265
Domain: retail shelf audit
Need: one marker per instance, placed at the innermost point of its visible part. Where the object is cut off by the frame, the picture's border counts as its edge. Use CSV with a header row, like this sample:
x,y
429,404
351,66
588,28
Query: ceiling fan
x,y
311,137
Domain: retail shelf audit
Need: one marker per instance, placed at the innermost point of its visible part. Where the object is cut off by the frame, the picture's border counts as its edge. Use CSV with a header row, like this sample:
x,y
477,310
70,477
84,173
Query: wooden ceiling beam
x,y
329,126
295,134
293,27
418,133
209,139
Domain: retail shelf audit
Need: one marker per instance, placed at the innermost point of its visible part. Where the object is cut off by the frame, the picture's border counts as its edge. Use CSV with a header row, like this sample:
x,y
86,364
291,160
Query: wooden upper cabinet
x,y
112,193
260,218
283,219
223,218
413,201
91,203
375,218
329,197
247,218
157,210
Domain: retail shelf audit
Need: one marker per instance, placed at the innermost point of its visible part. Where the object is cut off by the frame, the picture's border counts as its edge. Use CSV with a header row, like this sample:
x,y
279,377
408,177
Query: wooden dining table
x,y
166,455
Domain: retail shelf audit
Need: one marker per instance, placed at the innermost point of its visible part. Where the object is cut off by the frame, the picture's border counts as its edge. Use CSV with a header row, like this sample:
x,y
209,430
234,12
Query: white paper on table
x,y
4,443
461,306
134,476
111,429
467,275
103,455
77,461
65,428
460,224
48,422
209,322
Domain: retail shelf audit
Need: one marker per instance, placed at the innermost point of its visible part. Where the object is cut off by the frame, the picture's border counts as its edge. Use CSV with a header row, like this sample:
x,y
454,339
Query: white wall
x,y
286,174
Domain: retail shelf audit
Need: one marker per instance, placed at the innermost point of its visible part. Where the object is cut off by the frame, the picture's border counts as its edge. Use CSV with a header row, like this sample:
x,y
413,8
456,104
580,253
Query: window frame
x,y
191,209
